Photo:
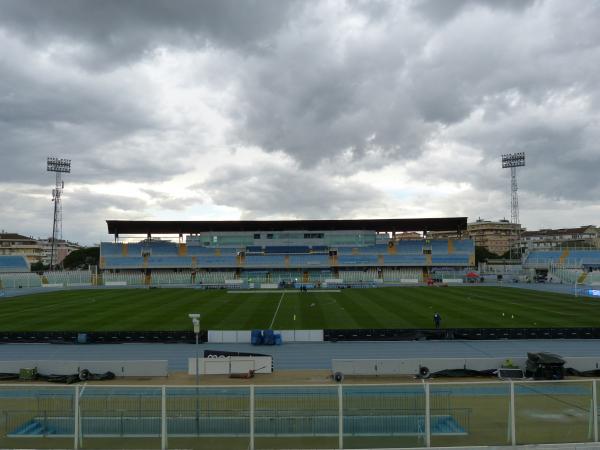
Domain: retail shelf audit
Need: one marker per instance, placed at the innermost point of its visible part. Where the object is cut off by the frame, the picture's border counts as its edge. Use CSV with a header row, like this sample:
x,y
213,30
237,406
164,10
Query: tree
x,y
482,254
38,267
82,258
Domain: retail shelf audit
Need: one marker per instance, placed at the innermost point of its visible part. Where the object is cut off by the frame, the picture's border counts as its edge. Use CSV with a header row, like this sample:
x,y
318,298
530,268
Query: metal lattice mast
x,y
514,196
512,161
59,166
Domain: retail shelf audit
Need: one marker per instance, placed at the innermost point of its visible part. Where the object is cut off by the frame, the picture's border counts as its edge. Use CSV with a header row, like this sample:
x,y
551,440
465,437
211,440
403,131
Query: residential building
x,y
583,236
496,236
61,249
16,244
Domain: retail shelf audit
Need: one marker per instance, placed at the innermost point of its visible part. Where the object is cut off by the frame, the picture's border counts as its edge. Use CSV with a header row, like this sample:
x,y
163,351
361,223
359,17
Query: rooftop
x,y
150,227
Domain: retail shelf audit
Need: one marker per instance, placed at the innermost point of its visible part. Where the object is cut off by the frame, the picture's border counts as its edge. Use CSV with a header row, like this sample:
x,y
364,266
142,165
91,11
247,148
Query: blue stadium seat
x,y
172,262
110,249
358,260
265,261
404,260
308,260
450,260
162,248
543,257
196,250
439,247
410,246
13,263
464,246
216,261
124,262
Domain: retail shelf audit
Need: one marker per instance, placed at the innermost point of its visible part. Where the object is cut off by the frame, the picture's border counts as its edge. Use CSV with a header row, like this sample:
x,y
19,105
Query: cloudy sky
x,y
258,109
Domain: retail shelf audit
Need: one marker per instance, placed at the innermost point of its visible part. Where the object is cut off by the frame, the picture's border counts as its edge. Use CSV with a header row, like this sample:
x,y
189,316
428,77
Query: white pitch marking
x,y
275,315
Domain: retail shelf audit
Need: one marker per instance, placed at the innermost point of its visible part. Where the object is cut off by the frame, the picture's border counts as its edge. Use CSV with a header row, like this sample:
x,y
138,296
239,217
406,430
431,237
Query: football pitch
x,y
406,307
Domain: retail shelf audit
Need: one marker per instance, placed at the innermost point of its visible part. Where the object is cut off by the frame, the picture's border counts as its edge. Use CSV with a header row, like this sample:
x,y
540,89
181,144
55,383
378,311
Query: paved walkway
x,y
301,356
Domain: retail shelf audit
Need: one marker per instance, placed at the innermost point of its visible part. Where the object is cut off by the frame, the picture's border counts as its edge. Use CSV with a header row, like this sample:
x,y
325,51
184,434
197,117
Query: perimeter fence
x,y
431,414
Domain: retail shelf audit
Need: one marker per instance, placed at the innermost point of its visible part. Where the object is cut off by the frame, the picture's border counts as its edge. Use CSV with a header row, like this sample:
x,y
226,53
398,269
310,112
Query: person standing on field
x,y
437,320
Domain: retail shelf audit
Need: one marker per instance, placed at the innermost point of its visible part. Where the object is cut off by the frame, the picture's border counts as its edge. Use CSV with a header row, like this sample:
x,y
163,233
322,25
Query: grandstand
x,y
274,252
567,265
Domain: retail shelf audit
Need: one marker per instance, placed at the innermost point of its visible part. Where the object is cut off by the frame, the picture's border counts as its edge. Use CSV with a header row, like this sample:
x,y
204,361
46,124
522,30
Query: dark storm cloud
x,y
28,210
114,31
316,96
440,11
268,190
395,86
47,109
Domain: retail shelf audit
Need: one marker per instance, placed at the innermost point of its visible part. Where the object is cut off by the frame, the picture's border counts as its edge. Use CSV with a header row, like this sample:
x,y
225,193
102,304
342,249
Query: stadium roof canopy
x,y
153,227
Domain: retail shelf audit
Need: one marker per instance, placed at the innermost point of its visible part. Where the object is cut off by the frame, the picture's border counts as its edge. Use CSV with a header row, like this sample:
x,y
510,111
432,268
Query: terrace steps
x,y
392,250
450,246
182,250
564,255
124,250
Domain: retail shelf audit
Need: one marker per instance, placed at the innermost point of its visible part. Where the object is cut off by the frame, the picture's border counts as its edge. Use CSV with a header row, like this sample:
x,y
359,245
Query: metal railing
x,y
428,414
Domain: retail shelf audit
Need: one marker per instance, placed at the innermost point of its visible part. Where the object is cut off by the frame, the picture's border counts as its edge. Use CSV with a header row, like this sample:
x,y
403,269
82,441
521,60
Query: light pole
x,y
196,322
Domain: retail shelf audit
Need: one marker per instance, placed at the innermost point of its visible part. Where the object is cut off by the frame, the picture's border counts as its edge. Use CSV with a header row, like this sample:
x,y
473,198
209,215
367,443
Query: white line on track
x,y
276,311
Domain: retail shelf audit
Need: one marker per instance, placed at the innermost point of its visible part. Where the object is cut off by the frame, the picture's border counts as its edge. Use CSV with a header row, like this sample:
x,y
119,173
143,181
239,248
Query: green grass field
x,y
409,307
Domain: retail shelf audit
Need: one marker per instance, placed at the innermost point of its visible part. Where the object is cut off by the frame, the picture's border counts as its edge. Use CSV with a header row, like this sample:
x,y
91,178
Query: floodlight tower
x,y
512,161
58,166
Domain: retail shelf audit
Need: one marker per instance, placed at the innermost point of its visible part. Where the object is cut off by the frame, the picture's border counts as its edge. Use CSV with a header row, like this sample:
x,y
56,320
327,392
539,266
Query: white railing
x,y
427,414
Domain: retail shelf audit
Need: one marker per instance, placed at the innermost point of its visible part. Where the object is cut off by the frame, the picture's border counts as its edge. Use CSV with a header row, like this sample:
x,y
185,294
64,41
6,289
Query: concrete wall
x,y
243,336
301,335
231,364
147,368
229,336
411,366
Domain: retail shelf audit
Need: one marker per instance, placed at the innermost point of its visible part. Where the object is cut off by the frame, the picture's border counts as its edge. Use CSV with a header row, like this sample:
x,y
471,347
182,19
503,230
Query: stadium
x,y
298,288
296,225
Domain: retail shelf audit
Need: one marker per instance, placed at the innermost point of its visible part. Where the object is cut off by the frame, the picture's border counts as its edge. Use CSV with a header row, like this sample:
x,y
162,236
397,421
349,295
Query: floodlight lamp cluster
x,y
195,322
58,165
513,160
